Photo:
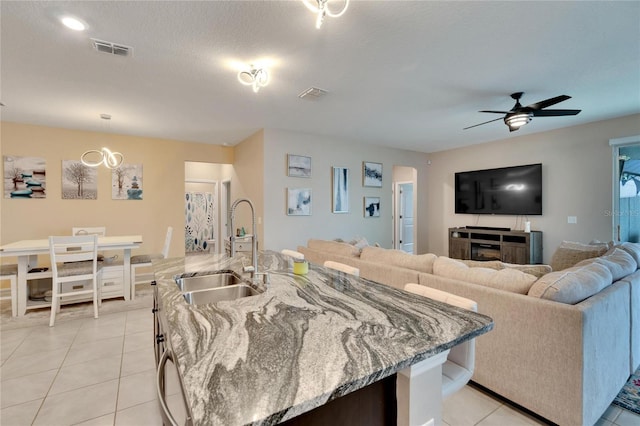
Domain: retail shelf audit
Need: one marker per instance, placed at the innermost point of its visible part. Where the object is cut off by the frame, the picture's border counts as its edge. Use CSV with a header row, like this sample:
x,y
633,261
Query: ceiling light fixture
x,y
321,9
94,158
515,121
256,77
73,23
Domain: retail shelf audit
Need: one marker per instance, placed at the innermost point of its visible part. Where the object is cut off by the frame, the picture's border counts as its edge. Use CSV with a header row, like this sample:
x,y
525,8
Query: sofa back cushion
x,y
399,258
334,247
619,262
572,285
569,253
507,279
633,249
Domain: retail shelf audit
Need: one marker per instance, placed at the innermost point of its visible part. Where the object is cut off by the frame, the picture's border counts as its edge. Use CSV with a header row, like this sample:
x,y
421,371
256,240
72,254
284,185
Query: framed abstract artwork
x,y
371,174
298,166
371,206
340,191
299,201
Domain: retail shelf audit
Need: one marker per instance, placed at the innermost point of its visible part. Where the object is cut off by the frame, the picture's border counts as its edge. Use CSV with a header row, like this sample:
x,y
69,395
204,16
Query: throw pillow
x,y
569,253
334,247
572,285
505,279
399,258
491,264
619,262
535,270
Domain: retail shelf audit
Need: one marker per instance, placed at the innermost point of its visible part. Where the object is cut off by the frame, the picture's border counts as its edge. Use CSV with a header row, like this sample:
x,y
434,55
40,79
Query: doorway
x,y
207,189
626,189
404,214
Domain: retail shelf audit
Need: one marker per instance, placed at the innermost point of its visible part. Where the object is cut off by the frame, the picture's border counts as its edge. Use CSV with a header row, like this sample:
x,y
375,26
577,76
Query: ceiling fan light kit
x,y
515,121
519,116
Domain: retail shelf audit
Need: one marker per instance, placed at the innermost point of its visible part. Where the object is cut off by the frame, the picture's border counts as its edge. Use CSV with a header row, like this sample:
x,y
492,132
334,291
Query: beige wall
x,y
576,176
163,185
282,231
248,183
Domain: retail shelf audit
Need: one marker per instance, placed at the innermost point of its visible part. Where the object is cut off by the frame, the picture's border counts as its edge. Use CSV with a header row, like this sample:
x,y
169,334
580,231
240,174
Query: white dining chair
x,y
74,259
10,272
458,368
100,231
293,253
144,261
337,266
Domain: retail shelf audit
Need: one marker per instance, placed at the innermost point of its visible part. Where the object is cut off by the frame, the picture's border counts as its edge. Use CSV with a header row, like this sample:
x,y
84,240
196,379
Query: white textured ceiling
x,y
407,74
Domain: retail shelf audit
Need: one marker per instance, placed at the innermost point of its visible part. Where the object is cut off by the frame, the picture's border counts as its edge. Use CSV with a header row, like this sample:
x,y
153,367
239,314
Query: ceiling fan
x,y
518,116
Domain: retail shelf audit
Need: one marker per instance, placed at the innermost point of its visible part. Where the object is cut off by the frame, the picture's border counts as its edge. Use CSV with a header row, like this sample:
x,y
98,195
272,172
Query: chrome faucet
x,y
253,269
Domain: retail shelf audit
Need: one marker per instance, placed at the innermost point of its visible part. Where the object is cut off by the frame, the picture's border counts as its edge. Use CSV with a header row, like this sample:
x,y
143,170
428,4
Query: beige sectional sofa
x,y
564,341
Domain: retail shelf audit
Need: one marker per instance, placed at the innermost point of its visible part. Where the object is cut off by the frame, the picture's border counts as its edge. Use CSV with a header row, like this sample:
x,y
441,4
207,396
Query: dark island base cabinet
x,y
484,244
372,405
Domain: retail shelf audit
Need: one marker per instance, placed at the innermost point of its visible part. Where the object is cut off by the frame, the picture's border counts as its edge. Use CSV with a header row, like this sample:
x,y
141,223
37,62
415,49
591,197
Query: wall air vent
x,y
312,93
111,48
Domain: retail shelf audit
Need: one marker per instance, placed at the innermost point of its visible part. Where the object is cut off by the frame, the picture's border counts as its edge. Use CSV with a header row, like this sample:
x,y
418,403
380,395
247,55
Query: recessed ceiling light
x,y
73,23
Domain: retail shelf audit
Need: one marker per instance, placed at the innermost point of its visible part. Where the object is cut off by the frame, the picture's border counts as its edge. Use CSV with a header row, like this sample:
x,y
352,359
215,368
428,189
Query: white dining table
x,y
27,252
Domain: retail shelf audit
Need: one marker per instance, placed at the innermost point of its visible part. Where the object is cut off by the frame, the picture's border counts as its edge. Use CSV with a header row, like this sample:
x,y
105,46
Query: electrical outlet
x,y
572,219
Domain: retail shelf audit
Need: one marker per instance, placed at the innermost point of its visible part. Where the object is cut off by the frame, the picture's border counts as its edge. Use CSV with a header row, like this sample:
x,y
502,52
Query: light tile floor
x,y
101,372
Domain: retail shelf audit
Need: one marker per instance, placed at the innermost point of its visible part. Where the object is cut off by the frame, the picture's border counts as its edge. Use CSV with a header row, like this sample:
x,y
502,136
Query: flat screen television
x,y
506,191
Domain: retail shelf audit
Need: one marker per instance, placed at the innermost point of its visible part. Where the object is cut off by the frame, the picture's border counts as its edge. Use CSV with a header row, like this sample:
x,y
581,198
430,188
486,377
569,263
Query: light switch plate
x,y
572,219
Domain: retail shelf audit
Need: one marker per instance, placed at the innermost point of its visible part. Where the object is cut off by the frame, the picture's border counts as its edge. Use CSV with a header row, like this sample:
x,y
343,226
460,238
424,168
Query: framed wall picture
x,y
25,177
371,174
371,206
126,182
340,192
299,201
298,166
79,182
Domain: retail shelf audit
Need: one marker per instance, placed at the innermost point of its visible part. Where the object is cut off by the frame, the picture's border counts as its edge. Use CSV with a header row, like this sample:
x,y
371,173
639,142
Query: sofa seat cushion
x,y
506,279
572,285
569,253
619,262
334,247
399,258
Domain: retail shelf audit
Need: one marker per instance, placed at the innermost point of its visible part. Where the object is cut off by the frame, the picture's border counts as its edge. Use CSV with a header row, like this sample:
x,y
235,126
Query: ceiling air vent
x,y
312,93
111,48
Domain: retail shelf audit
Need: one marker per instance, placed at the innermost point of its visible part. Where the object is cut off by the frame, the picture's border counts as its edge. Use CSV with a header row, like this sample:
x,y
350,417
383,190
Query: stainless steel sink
x,y
208,281
214,295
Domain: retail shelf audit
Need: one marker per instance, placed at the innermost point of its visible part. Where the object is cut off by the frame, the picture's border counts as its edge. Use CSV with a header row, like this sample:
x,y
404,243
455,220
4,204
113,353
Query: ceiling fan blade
x,y
554,112
548,102
476,125
497,112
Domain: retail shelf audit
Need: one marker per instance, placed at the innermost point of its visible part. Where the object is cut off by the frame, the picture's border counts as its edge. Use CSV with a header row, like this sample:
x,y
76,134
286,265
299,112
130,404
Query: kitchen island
x,y
305,341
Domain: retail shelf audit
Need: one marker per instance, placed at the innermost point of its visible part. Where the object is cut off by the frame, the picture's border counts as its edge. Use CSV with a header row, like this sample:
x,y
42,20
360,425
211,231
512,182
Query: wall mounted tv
x,y
506,191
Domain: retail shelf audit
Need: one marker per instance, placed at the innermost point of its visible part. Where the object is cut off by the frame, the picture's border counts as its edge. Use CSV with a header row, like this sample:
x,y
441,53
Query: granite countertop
x,y
304,341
